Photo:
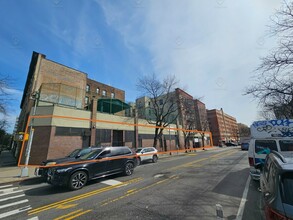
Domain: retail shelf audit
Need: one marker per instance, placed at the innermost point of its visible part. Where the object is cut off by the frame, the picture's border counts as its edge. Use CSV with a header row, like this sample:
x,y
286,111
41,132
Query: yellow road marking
x,y
71,213
134,191
79,214
129,191
214,157
62,206
86,195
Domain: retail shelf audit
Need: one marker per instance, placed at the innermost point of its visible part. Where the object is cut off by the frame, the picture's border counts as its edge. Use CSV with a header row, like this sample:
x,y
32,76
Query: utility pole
x,y
24,170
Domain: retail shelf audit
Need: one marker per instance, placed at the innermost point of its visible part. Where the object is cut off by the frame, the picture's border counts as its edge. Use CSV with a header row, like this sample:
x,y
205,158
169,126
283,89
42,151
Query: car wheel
x,y
155,159
77,180
128,169
138,161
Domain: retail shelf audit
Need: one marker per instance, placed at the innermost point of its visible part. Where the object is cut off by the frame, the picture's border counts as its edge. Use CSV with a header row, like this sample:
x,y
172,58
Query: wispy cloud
x,y
211,46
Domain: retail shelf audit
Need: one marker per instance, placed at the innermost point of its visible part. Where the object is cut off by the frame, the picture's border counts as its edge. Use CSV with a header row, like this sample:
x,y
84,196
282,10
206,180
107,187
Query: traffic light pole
x,y
24,170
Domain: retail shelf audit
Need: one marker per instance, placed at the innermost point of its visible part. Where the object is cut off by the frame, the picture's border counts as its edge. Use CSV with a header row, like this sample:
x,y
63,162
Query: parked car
x,y
99,163
276,184
147,154
77,153
244,146
231,144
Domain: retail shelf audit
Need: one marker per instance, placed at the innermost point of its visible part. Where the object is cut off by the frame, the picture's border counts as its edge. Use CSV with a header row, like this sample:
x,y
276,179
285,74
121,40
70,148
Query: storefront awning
x,y
111,105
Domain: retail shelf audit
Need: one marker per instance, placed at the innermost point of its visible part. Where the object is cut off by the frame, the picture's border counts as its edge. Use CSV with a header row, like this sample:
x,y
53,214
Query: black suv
x,y
276,184
99,163
77,153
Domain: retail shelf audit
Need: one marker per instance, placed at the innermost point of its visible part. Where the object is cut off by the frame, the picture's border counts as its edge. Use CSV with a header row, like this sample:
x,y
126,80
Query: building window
x,y
112,95
161,101
87,88
86,100
98,90
104,93
149,103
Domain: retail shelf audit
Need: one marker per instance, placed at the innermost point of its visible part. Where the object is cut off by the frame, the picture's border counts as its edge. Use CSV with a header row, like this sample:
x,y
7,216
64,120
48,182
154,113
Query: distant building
x,y
202,118
190,114
224,127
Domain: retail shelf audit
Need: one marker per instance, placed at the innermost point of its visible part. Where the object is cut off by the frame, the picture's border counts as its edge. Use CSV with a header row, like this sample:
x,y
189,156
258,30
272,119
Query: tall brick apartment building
x,y
223,126
191,113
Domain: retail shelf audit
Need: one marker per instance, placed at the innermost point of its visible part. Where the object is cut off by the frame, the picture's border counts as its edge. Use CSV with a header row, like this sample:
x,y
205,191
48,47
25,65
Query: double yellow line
x,y
134,191
214,157
73,214
79,197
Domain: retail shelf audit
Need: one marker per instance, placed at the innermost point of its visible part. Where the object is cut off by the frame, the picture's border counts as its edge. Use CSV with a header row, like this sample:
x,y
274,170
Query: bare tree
x,y
4,95
163,106
273,86
204,129
244,130
188,120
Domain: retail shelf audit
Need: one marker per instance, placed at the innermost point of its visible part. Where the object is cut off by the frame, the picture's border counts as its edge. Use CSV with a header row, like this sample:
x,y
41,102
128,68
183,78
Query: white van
x,y
267,136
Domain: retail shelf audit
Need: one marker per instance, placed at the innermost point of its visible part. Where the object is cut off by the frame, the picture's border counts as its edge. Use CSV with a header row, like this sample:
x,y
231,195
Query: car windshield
x,y
287,185
74,153
91,155
286,145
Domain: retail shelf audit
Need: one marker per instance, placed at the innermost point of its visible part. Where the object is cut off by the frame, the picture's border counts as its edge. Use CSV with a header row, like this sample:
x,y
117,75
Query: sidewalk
x,y
9,171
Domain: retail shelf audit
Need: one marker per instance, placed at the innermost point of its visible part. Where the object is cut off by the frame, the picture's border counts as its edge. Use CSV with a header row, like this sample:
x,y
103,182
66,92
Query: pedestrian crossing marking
x,y
14,203
13,192
5,186
16,211
13,197
8,190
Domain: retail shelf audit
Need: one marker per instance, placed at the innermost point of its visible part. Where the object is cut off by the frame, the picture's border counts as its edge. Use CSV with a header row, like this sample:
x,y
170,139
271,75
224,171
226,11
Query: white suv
x,y
146,154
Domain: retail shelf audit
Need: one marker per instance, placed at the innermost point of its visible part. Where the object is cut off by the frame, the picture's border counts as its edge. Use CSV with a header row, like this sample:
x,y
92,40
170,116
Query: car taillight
x,y
273,214
251,161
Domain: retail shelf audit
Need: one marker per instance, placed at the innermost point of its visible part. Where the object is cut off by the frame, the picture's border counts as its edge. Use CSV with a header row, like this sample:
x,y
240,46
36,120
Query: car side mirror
x,y
259,166
77,156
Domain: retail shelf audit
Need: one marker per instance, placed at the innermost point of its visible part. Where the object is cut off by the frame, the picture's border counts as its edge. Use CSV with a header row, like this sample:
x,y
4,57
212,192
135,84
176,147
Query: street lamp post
x,y
24,170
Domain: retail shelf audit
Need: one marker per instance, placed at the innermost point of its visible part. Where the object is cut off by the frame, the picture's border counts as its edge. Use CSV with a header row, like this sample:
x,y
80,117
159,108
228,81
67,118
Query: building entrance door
x,y
117,138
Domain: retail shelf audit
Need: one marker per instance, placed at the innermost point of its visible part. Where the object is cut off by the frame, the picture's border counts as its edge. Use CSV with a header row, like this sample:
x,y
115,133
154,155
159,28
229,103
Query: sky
x,y
211,46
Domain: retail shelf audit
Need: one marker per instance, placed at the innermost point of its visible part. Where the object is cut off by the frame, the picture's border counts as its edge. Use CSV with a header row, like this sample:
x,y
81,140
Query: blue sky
x,y
211,46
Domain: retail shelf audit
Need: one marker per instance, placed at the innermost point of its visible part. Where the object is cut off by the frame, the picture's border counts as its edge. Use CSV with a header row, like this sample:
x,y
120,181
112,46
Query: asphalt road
x,y
203,185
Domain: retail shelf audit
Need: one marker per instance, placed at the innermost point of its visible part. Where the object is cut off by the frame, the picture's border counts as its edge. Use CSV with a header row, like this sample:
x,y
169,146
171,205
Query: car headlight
x,y
63,170
50,163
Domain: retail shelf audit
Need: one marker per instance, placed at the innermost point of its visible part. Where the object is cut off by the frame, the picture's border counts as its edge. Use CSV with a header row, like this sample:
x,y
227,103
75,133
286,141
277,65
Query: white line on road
x,y
16,211
8,190
14,203
243,200
12,197
34,218
111,182
5,194
5,186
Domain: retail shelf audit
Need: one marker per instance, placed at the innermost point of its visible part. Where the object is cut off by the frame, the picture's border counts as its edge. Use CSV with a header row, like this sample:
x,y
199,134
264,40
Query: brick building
x,y
60,91
223,126
191,115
